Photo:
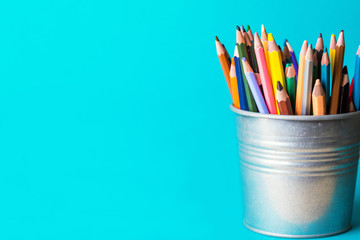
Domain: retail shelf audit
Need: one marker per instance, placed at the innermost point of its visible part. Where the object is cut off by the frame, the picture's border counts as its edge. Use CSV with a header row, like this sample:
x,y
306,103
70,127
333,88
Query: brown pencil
x,y
344,93
318,99
283,100
339,60
319,49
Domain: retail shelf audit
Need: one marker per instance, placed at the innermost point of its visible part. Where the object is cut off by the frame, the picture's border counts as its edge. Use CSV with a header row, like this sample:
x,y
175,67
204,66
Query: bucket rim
x,y
340,116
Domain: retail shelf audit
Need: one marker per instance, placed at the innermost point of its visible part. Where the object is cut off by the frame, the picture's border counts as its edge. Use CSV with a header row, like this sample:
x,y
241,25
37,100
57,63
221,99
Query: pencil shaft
x,y
356,83
260,103
325,81
308,79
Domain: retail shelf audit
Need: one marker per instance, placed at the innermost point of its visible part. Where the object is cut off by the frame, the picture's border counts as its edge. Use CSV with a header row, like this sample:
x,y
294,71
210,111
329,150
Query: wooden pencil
x,y
251,37
264,40
240,80
228,58
308,78
291,84
283,100
275,62
293,57
351,102
332,56
264,75
318,99
315,67
356,81
259,99
300,79
250,50
339,60
250,34
287,54
223,62
283,59
319,49
344,92
234,85
325,75
240,41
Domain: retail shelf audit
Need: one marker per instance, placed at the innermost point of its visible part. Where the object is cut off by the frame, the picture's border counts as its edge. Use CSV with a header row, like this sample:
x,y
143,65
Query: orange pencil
x,y
318,99
234,85
223,62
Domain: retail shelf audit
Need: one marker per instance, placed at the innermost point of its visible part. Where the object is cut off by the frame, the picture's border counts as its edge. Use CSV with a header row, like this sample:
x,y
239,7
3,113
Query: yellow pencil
x,y
275,62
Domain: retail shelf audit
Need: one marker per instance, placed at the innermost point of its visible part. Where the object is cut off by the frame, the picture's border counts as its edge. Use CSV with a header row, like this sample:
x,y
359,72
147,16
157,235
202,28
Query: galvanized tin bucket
x,y
298,172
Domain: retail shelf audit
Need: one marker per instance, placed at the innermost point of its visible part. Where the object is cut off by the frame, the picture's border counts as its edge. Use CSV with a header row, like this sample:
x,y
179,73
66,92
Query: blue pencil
x,y
293,57
325,75
254,87
356,89
240,81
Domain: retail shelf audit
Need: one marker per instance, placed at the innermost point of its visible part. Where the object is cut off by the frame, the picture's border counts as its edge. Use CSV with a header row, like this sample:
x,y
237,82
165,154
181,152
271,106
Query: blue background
x,y
115,120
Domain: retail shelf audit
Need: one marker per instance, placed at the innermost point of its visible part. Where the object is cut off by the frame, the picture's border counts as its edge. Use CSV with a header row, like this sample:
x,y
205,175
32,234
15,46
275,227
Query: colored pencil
x,y
344,92
339,60
250,34
318,99
291,83
240,41
300,79
264,75
260,102
308,78
264,40
283,100
234,85
283,60
286,53
351,103
356,90
223,62
293,57
250,50
332,57
228,58
316,68
275,62
240,80
325,75
319,49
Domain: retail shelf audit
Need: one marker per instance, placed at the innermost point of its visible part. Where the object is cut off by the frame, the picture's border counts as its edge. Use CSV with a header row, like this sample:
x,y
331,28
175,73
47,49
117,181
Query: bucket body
x,y
298,172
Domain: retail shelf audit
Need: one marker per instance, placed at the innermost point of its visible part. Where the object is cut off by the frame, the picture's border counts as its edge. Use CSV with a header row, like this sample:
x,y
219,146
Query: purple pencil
x,y
293,57
254,87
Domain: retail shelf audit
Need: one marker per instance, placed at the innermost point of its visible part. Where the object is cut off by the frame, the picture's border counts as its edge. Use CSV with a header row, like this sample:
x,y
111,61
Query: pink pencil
x,y
264,75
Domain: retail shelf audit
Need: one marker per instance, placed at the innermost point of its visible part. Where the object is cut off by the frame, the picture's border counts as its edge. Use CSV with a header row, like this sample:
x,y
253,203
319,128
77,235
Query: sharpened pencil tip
x,y
345,70
342,31
242,28
217,39
325,49
332,35
237,27
320,35
270,37
243,59
248,27
279,86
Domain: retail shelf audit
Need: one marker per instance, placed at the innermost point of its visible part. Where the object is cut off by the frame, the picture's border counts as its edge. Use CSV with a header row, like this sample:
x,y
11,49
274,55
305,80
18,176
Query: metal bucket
x,y
298,172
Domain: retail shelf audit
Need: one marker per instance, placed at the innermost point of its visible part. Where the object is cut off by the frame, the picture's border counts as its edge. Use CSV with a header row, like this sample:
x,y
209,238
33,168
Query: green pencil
x,y
240,41
291,83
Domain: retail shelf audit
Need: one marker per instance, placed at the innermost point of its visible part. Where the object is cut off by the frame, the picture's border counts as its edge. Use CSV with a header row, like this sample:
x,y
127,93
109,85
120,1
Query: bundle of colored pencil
x,y
264,78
